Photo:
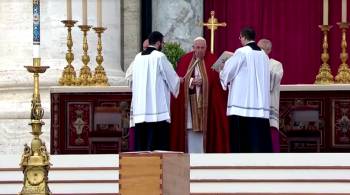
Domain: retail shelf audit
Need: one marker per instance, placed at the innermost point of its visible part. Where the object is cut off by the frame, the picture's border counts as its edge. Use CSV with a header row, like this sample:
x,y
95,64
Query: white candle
x,y
69,9
343,11
84,12
99,13
325,12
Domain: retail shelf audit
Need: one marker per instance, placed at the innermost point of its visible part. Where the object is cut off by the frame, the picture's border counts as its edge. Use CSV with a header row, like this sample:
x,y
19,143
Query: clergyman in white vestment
x,y
128,73
276,74
128,77
153,80
248,106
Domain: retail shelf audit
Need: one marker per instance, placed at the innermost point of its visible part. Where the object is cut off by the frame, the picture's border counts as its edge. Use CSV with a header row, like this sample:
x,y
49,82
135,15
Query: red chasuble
x,y
213,111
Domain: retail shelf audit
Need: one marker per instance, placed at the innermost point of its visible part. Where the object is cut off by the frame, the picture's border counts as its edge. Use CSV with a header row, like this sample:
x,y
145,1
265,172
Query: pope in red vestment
x,y
201,102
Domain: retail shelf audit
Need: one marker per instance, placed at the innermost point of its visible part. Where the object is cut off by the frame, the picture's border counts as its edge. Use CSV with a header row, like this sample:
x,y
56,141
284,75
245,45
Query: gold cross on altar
x,y
212,25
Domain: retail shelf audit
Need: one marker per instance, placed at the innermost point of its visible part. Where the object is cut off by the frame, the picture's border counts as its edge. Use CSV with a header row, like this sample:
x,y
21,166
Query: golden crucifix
x,y
212,25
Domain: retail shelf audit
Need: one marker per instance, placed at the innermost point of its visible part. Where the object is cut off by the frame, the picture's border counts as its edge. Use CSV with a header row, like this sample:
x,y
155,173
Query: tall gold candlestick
x,y
85,76
343,75
325,74
100,78
35,161
69,74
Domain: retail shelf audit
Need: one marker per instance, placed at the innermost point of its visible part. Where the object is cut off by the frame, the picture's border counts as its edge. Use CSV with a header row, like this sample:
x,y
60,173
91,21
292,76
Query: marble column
x,y
16,84
131,31
178,20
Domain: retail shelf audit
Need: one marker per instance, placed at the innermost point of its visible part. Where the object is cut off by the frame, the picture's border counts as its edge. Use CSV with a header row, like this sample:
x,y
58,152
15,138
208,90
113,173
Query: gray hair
x,y
267,42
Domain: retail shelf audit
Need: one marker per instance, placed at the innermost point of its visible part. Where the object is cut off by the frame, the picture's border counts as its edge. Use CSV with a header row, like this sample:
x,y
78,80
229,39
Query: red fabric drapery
x,y
291,25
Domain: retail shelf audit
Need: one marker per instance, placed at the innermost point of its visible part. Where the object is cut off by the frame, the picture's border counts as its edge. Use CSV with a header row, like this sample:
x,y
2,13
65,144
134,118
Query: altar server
x,y
276,74
153,79
248,106
128,77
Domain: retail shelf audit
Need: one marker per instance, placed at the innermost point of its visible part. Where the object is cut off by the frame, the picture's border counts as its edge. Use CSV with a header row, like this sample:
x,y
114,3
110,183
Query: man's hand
x,y
196,81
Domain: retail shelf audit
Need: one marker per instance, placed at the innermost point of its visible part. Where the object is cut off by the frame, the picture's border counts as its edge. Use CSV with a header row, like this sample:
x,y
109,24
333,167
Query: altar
x,y
333,101
70,103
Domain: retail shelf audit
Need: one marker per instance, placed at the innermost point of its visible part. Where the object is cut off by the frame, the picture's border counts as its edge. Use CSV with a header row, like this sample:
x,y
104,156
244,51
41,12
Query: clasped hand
x,y
182,79
196,81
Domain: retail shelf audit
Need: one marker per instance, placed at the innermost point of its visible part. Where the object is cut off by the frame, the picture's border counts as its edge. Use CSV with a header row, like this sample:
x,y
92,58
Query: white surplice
x,y
194,139
128,74
276,74
153,79
247,72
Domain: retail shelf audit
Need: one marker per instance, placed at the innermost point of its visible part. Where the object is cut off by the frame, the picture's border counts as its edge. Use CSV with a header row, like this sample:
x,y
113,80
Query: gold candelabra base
x,y
35,160
100,78
343,76
85,75
69,75
324,75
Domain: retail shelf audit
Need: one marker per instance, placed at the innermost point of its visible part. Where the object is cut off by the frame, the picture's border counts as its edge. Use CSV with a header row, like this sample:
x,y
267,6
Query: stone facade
x,y
178,20
131,31
16,83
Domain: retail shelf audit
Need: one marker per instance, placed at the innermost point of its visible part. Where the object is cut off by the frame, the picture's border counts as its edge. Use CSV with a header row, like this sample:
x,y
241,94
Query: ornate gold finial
x,y
325,74
35,161
68,74
85,76
343,75
212,25
100,78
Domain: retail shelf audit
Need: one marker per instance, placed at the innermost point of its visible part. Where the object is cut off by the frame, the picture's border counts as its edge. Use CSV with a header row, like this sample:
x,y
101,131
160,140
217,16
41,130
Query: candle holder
x,y
68,74
35,161
343,75
99,78
324,75
85,76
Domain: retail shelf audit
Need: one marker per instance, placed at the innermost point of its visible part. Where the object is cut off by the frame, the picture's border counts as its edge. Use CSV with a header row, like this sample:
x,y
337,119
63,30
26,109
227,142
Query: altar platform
x,y
210,174
333,101
67,101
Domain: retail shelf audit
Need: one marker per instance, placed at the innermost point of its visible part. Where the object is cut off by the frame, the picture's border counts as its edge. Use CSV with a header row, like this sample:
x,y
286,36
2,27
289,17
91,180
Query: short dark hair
x,y
249,33
154,37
